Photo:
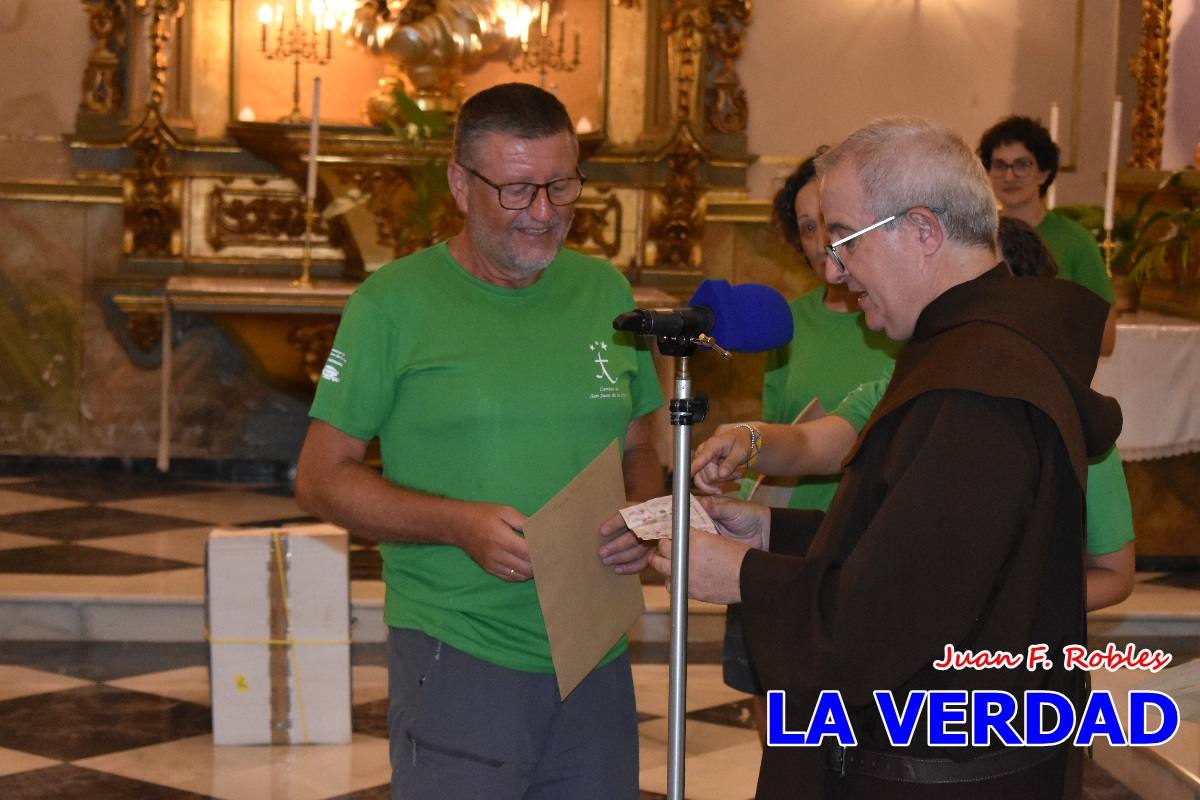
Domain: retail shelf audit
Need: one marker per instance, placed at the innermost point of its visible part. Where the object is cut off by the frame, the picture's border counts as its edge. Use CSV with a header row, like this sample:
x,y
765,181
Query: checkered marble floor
x,y
89,719
131,720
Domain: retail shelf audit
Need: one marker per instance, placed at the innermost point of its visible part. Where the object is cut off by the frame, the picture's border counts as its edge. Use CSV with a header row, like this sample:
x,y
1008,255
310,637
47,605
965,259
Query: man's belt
x,y
911,769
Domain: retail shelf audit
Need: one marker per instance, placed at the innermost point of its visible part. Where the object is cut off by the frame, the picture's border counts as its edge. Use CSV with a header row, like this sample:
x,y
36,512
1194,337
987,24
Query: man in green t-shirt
x,y
1022,161
489,369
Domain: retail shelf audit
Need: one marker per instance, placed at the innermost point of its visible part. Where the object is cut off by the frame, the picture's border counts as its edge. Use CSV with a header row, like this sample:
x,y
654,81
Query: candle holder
x,y
544,53
305,280
297,40
1109,248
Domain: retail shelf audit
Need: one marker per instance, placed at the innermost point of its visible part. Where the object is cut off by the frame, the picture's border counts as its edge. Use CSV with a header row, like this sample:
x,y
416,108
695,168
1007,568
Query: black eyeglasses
x,y
1021,167
520,196
831,249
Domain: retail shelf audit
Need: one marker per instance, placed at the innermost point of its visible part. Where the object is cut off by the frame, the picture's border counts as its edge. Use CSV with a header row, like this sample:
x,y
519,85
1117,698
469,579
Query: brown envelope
x,y
586,605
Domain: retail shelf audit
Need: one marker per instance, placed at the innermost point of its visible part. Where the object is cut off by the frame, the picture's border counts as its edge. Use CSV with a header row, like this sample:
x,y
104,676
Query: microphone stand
x,y
686,410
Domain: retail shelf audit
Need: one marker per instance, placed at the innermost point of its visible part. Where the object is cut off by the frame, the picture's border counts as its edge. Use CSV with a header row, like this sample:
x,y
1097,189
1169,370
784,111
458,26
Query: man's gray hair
x,y
905,162
515,109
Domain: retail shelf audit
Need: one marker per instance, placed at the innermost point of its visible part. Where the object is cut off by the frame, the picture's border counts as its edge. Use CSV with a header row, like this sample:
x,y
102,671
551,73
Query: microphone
x,y
668,322
748,318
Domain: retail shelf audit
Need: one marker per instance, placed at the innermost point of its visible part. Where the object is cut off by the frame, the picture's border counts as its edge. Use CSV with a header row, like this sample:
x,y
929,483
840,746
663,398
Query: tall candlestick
x,y
1110,186
314,126
265,17
1051,196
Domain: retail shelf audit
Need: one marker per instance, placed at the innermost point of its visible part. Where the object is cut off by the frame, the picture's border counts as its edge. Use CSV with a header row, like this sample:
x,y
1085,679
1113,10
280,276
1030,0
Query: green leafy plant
x,y
418,128
1166,241
412,204
1091,216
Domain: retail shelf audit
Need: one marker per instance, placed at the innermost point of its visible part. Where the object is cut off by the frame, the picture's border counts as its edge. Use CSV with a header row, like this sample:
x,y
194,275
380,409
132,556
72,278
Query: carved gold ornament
x,y
102,92
1149,68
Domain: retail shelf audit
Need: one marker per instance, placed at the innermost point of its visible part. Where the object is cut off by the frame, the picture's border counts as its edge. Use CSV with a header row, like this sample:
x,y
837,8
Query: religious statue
x,y
434,41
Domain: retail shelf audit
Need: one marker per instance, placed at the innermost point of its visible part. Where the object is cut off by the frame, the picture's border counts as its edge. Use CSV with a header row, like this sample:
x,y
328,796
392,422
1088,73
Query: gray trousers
x,y
461,728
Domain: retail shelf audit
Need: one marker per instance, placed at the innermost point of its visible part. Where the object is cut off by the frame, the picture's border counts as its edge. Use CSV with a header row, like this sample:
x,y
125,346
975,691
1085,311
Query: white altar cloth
x,y
1154,372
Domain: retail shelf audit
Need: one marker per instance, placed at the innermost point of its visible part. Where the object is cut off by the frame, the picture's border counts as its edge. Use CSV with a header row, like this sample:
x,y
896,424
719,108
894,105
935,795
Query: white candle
x,y
313,131
1110,186
1051,197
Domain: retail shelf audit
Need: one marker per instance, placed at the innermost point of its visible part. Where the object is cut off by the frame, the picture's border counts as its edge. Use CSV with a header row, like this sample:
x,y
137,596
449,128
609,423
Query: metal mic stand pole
x,y
685,411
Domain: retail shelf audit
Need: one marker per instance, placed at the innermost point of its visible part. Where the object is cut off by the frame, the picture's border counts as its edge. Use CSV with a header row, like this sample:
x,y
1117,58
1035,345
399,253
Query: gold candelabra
x,y
1109,247
542,52
305,280
298,37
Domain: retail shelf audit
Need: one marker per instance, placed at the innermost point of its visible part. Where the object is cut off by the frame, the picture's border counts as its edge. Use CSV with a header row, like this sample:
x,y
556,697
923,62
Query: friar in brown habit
x,y
960,517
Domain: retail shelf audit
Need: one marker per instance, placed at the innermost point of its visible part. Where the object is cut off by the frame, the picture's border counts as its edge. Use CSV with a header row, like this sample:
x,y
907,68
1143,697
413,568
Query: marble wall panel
x,y
54,36
37,105
220,408
118,402
41,272
67,388
103,227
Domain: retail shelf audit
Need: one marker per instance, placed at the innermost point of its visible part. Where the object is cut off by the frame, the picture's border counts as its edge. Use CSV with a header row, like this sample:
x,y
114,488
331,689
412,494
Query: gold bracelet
x,y
756,443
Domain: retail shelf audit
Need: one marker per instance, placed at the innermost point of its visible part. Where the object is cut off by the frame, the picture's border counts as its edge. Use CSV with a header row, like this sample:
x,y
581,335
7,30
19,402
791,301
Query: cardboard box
x,y
278,608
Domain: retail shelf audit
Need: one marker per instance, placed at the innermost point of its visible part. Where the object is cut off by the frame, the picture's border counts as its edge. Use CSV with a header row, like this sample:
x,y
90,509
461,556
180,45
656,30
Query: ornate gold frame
x,y
1149,68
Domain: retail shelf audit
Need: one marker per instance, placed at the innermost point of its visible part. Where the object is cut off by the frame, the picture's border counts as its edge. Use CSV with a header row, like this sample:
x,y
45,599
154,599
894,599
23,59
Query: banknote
x,y
652,519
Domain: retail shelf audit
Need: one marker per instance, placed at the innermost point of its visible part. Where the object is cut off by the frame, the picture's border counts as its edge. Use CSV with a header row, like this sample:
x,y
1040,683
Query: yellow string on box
x,y
289,642
287,621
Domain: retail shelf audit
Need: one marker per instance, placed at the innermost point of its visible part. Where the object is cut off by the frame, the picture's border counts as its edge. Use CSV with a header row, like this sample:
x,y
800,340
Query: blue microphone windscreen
x,y
750,317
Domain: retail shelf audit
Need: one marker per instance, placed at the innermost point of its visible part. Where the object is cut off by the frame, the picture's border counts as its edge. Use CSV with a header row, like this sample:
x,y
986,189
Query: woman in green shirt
x,y
1022,161
818,447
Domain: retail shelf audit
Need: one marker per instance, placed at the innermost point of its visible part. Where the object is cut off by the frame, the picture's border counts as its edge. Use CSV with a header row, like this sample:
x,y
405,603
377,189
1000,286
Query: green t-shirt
x,y
830,354
858,404
1109,515
1076,253
487,394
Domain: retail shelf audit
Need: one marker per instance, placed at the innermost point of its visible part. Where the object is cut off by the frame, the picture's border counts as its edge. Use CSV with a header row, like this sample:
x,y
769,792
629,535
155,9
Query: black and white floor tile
x,y
91,719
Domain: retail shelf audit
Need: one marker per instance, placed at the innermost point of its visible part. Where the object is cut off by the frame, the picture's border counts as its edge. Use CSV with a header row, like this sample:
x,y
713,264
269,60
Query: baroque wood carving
x,y
314,343
107,21
1149,68
725,103
677,230
144,330
403,220
685,29
152,197
704,42
597,224
258,218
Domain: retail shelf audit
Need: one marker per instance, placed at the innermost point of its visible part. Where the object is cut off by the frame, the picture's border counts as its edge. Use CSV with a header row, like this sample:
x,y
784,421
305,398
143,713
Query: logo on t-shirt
x,y
600,348
333,366
608,382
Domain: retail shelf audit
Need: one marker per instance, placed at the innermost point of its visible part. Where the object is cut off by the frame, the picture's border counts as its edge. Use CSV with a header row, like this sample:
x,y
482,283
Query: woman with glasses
x,y
832,351
1022,162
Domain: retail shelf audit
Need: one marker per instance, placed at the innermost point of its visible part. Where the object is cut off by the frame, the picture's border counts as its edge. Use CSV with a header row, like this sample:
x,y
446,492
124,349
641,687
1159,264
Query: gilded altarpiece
x,y
181,171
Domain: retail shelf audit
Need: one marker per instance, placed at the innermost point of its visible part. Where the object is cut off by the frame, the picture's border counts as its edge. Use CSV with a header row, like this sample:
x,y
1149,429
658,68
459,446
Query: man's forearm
x,y
643,474
356,497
